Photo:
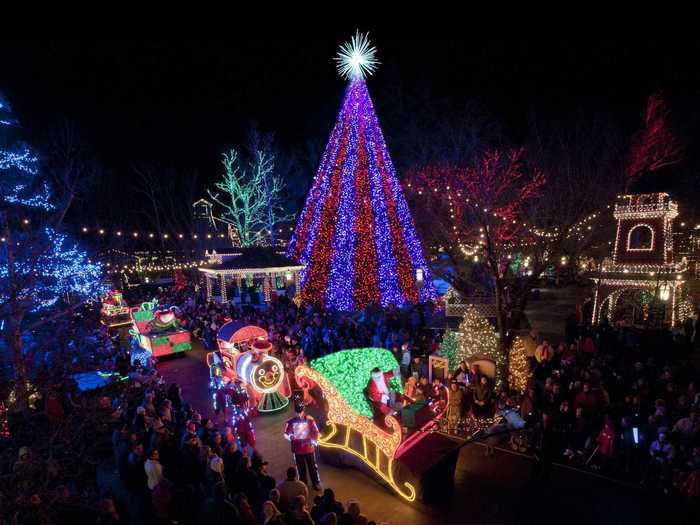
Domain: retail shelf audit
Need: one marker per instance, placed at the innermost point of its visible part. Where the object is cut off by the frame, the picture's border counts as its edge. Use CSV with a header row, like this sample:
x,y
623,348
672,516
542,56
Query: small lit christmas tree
x,y
450,348
476,340
518,367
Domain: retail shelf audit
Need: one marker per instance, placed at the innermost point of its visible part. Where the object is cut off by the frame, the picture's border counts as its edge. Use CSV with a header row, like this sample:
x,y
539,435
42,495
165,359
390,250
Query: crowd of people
x,y
613,399
605,398
168,463
302,334
178,466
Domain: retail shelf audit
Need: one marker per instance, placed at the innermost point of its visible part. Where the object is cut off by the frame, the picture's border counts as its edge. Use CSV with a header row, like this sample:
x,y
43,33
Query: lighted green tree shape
x,y
350,371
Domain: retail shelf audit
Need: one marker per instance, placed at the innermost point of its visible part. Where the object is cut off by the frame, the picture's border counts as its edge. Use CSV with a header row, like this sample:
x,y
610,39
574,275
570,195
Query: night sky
x,y
183,103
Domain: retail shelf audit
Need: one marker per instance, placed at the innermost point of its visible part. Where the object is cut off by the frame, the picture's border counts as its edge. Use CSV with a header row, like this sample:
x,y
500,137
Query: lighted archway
x,y
640,238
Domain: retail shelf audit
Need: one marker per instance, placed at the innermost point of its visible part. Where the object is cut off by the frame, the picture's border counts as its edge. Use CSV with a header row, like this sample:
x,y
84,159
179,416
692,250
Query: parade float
x,y
235,336
115,311
244,357
157,329
401,448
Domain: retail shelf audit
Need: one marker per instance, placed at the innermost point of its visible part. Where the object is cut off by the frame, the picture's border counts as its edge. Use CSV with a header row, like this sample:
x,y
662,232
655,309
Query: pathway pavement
x,y
548,314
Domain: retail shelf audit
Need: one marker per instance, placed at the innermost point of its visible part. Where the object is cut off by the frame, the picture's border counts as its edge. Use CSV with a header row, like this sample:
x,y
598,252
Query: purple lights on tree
x,y
356,235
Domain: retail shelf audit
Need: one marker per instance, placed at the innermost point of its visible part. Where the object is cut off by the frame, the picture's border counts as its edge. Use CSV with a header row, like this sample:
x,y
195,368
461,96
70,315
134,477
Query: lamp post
x,y
595,316
420,281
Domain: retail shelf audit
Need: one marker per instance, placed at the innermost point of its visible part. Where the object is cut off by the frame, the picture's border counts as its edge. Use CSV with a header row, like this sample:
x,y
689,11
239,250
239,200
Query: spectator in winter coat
x,y
409,389
687,429
298,513
267,482
405,361
483,398
290,488
153,469
161,500
136,473
661,450
606,441
662,454
589,347
270,515
587,401
419,368
455,406
544,352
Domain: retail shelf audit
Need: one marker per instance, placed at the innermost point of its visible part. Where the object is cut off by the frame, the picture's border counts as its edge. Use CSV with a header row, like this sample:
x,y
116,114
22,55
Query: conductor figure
x,y
303,433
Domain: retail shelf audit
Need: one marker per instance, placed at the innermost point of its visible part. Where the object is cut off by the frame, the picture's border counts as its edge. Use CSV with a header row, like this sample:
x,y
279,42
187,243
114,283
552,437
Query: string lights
x,y
141,267
85,230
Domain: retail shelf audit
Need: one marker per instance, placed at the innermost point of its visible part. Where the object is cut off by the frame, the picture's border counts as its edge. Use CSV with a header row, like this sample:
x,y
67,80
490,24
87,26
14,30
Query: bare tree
x,y
152,185
72,169
655,146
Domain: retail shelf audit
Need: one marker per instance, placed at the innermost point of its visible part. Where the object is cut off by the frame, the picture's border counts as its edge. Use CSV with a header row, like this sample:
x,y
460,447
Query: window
x,y
640,238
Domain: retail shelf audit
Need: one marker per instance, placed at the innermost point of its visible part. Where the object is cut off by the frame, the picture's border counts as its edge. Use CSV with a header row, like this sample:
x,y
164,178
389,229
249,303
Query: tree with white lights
x,y
41,270
251,198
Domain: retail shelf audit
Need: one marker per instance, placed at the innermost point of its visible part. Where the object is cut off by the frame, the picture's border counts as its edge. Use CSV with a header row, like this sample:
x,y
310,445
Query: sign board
x,y
437,367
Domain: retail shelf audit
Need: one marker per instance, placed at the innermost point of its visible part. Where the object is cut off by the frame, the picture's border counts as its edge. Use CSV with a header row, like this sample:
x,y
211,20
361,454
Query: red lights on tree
x,y
653,147
475,213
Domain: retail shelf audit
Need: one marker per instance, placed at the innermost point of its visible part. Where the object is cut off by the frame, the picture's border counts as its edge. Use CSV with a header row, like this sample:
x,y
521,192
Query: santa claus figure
x,y
379,394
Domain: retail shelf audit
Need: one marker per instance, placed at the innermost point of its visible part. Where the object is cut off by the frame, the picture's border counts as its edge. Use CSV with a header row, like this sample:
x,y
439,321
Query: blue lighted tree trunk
x,y
38,264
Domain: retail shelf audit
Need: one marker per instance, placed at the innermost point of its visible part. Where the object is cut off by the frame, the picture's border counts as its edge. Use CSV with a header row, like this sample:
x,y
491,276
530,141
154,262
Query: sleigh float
x,y
404,451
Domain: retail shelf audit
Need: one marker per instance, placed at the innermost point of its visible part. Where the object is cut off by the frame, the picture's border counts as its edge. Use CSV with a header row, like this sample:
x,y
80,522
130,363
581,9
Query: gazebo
x,y
228,274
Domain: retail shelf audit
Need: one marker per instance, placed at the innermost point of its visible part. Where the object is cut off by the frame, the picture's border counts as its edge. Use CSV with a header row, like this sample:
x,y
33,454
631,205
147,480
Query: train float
x,y
244,357
157,329
115,311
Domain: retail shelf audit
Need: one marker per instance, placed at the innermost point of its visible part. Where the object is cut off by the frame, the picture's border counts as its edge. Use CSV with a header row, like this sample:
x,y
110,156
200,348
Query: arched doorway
x,y
633,306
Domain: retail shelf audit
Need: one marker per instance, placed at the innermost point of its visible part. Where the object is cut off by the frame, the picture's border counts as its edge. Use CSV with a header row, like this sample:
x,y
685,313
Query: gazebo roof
x,y
252,260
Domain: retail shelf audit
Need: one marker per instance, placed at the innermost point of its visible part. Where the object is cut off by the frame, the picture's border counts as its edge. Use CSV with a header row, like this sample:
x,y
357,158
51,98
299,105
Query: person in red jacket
x,y
303,433
606,442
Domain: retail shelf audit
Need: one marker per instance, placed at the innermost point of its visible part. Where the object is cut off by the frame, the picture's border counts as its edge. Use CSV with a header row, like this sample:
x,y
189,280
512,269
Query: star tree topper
x,y
356,58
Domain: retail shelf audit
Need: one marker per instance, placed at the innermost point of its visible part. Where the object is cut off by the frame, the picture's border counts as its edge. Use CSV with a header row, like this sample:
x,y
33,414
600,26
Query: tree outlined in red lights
x,y
653,147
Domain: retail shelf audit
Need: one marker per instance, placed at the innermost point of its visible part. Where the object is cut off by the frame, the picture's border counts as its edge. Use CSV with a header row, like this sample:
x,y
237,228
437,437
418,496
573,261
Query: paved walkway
x,y
488,491
548,314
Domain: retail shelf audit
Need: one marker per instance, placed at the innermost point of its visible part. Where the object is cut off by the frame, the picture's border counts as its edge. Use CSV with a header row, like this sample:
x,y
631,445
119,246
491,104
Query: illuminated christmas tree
x,y
41,269
476,339
450,349
518,367
356,235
